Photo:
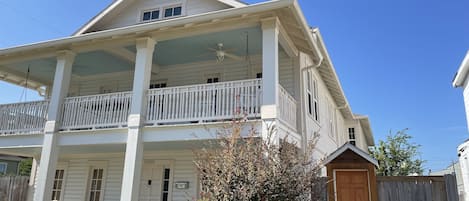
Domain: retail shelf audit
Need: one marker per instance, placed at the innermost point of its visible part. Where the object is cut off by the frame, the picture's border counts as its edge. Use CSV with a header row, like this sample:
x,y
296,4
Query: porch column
x,y
270,77
134,149
50,150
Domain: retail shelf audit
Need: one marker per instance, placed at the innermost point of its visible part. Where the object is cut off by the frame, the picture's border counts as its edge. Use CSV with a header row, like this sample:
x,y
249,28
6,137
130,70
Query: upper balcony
x,y
192,104
194,78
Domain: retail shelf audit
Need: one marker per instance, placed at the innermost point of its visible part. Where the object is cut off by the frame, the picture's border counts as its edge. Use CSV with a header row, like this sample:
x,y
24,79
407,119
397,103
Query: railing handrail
x,y
206,84
285,92
99,95
287,107
24,103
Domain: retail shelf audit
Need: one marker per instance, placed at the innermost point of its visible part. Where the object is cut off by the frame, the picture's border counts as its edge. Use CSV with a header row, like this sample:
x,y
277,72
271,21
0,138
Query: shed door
x,y
352,186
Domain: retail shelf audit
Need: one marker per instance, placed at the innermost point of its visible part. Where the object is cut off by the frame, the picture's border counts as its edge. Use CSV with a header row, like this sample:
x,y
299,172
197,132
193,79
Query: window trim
x,y
162,165
162,8
96,165
6,167
151,10
350,139
64,167
312,96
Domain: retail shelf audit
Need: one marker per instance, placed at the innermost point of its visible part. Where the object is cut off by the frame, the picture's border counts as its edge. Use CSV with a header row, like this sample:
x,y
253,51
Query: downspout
x,y
302,99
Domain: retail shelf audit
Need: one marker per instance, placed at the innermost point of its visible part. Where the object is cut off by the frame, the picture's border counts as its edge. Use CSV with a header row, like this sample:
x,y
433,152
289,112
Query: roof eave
x,y
250,9
463,70
113,5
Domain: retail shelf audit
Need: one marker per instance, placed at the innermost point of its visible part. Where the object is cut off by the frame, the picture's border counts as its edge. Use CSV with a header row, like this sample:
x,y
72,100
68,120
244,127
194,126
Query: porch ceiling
x,y
170,52
197,48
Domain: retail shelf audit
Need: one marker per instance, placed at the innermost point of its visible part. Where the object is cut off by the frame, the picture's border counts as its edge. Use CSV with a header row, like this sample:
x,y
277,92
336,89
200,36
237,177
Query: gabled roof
x,y
463,70
352,148
117,3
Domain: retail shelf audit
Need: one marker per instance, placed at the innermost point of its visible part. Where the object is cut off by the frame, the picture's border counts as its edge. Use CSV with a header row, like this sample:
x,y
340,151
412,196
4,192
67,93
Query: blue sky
x,y
395,59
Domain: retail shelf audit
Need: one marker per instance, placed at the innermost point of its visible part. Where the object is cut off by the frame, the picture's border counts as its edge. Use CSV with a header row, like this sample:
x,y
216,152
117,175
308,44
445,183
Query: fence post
x,y
451,188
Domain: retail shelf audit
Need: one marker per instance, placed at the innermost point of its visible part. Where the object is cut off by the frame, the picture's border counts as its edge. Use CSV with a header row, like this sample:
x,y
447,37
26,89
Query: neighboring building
x,y
9,165
455,169
137,88
461,80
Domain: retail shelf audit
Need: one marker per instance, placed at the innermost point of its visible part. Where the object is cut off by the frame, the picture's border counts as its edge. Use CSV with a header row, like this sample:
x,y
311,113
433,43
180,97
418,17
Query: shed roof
x,y
349,147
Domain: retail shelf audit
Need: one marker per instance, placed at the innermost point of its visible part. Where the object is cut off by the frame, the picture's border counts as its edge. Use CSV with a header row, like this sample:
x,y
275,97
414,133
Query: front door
x,y
155,183
352,186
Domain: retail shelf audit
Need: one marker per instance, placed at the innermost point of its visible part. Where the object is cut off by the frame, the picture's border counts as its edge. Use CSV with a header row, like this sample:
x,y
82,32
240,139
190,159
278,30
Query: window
x,y
312,96
3,168
332,119
96,184
259,75
151,15
173,11
58,184
158,84
213,80
351,136
165,184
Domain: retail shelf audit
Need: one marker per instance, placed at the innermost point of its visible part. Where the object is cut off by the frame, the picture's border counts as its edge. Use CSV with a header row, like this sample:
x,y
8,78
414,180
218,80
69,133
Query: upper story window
x,y
173,11
158,84
351,136
312,96
151,15
162,13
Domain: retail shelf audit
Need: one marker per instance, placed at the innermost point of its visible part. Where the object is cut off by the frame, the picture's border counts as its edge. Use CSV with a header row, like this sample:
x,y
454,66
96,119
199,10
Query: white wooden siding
x,y
183,74
76,186
131,14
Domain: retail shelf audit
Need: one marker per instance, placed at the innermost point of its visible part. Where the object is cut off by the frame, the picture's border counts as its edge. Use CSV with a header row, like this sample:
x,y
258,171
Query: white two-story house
x,y
131,94
461,80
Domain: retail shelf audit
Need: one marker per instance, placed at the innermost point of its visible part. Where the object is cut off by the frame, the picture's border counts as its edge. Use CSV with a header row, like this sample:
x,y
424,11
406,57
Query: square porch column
x,y
50,150
270,78
134,149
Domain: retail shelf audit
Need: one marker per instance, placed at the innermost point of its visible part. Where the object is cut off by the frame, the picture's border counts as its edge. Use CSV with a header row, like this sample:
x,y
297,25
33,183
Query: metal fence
x,y
13,188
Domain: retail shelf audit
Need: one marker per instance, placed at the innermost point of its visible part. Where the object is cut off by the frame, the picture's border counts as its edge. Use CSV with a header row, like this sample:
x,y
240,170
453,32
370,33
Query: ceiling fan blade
x,y
212,49
235,57
205,55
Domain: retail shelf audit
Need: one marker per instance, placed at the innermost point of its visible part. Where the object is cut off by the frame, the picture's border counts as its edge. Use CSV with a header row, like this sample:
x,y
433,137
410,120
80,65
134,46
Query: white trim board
x,y
353,148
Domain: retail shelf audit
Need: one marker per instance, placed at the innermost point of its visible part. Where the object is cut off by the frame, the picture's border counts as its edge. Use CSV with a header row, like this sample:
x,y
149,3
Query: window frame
x,y
6,167
162,9
312,96
63,167
150,10
163,14
158,84
162,165
92,166
352,136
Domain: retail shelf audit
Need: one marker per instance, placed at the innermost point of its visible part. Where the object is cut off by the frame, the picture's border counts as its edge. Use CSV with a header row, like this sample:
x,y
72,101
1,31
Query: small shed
x,y
351,174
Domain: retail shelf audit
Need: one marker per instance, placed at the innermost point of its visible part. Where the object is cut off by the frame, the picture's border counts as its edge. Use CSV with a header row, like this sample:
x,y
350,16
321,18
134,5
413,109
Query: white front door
x,y
156,182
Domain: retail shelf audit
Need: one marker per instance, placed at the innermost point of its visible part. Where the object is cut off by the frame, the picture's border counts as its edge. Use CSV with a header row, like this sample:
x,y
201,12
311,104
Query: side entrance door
x,y
156,181
352,186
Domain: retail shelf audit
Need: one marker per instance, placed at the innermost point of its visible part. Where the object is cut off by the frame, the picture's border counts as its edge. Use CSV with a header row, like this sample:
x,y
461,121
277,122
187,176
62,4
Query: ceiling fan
x,y
221,53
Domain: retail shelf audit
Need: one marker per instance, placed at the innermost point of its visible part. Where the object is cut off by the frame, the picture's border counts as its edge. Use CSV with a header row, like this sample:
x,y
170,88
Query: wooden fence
x,y
13,188
433,188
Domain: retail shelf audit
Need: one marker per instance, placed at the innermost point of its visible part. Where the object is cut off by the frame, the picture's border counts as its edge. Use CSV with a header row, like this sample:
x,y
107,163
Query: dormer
x,y
123,13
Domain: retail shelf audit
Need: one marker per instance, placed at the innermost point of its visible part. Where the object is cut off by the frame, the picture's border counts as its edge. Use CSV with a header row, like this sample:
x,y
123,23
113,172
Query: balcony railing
x,y
23,118
205,102
287,107
174,105
96,111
